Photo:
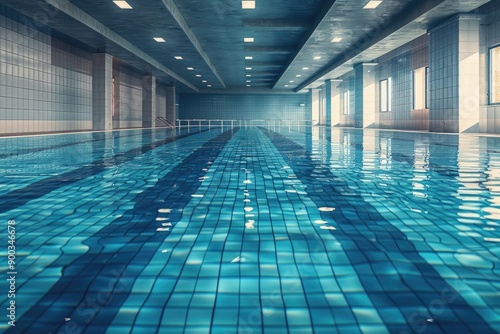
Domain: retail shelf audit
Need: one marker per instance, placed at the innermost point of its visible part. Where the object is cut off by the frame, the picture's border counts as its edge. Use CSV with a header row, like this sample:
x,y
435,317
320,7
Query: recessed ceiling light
x,y
248,4
204,81
249,75
248,57
287,85
178,57
249,81
248,68
190,69
198,75
209,85
336,39
248,39
159,39
317,57
122,4
248,85
305,68
298,75
291,81
372,4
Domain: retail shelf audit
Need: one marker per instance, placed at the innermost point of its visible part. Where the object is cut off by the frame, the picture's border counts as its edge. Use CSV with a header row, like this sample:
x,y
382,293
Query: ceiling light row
x,y
248,5
248,76
192,69
248,40
126,5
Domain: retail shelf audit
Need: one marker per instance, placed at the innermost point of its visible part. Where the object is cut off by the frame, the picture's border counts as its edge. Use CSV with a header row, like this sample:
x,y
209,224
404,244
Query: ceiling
x,y
292,48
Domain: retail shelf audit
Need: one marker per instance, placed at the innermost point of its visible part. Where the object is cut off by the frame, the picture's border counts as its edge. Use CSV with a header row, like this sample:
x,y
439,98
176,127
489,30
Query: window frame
x,y
346,106
427,87
387,107
423,85
491,84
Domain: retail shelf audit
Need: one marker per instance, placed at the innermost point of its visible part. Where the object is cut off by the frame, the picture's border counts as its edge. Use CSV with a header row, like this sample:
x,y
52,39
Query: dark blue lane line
x,y
93,287
371,242
21,196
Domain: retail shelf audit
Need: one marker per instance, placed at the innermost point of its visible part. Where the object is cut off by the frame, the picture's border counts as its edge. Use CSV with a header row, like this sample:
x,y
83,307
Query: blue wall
x,y
245,106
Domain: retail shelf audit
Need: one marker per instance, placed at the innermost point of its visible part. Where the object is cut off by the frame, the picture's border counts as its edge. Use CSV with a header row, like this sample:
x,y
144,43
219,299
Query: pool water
x,y
251,230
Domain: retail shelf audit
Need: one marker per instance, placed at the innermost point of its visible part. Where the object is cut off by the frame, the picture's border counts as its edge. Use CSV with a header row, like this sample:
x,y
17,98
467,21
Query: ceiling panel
x,y
209,35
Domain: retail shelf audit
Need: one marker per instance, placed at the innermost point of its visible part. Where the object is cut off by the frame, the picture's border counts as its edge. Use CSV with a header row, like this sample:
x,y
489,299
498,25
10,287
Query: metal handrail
x,y
197,122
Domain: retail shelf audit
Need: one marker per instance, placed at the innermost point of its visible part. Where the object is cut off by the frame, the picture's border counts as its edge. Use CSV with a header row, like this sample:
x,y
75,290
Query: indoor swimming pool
x,y
250,230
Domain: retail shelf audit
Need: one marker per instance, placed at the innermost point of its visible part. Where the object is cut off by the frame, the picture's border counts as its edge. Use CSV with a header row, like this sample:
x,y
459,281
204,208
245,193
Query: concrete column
x,y
148,101
171,113
336,106
116,93
102,91
454,75
328,107
369,95
358,96
315,105
365,101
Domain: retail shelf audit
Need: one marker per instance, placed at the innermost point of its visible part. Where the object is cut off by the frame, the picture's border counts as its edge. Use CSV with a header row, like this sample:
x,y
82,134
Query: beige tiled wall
x,y
399,64
129,86
45,84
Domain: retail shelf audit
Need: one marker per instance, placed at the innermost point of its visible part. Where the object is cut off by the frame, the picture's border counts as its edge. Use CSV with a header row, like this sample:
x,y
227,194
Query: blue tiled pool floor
x,y
254,231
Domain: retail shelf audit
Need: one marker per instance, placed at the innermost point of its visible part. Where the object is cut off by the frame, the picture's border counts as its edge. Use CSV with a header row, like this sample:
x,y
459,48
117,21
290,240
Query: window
x,y
495,74
385,95
427,85
347,109
113,97
420,88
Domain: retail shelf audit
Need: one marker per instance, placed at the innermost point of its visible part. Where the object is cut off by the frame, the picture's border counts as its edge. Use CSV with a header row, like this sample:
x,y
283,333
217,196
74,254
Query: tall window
x,y
113,97
427,85
495,74
420,89
347,109
385,94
